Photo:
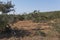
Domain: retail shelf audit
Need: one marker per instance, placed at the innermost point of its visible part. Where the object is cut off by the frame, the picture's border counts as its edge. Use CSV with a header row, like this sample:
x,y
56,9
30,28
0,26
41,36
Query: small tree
x,y
5,8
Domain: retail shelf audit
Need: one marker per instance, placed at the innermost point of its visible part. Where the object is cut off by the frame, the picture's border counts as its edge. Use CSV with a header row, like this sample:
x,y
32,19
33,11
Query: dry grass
x,y
43,31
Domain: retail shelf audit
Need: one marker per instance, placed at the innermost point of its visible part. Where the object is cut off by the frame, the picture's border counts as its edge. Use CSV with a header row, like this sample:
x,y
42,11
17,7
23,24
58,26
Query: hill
x,y
33,26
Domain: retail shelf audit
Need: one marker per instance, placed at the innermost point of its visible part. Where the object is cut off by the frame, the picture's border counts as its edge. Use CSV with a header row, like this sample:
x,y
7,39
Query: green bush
x,y
39,32
57,27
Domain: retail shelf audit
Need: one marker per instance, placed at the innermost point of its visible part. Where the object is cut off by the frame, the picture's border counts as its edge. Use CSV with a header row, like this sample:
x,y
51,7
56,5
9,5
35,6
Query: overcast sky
x,y
31,5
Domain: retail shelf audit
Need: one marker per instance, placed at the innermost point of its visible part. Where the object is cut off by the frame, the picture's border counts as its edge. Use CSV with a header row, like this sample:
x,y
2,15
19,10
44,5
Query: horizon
x,y
27,6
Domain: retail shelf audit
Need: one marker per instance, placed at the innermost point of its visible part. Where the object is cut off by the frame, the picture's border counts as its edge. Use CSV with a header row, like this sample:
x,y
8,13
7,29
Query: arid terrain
x,y
33,31
29,20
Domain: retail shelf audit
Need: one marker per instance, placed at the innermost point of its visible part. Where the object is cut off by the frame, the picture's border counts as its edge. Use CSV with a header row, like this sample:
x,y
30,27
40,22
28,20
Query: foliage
x,y
39,32
35,16
5,18
57,27
6,7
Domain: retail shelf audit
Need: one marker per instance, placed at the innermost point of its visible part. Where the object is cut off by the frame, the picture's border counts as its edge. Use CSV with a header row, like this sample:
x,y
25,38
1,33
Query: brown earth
x,y
28,25
32,27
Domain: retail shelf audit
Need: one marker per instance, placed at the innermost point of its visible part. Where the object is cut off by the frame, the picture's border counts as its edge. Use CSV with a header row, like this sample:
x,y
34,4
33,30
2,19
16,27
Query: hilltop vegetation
x,y
48,19
35,16
35,25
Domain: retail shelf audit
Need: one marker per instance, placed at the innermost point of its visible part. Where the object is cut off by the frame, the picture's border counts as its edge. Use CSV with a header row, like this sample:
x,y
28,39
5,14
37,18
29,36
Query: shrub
x,y
57,27
39,32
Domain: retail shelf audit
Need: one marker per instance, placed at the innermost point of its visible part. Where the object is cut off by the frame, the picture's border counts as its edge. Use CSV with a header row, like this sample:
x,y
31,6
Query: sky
x,y
31,5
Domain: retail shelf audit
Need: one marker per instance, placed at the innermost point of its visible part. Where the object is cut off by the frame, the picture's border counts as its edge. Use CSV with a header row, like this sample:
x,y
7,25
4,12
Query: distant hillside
x,y
36,16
